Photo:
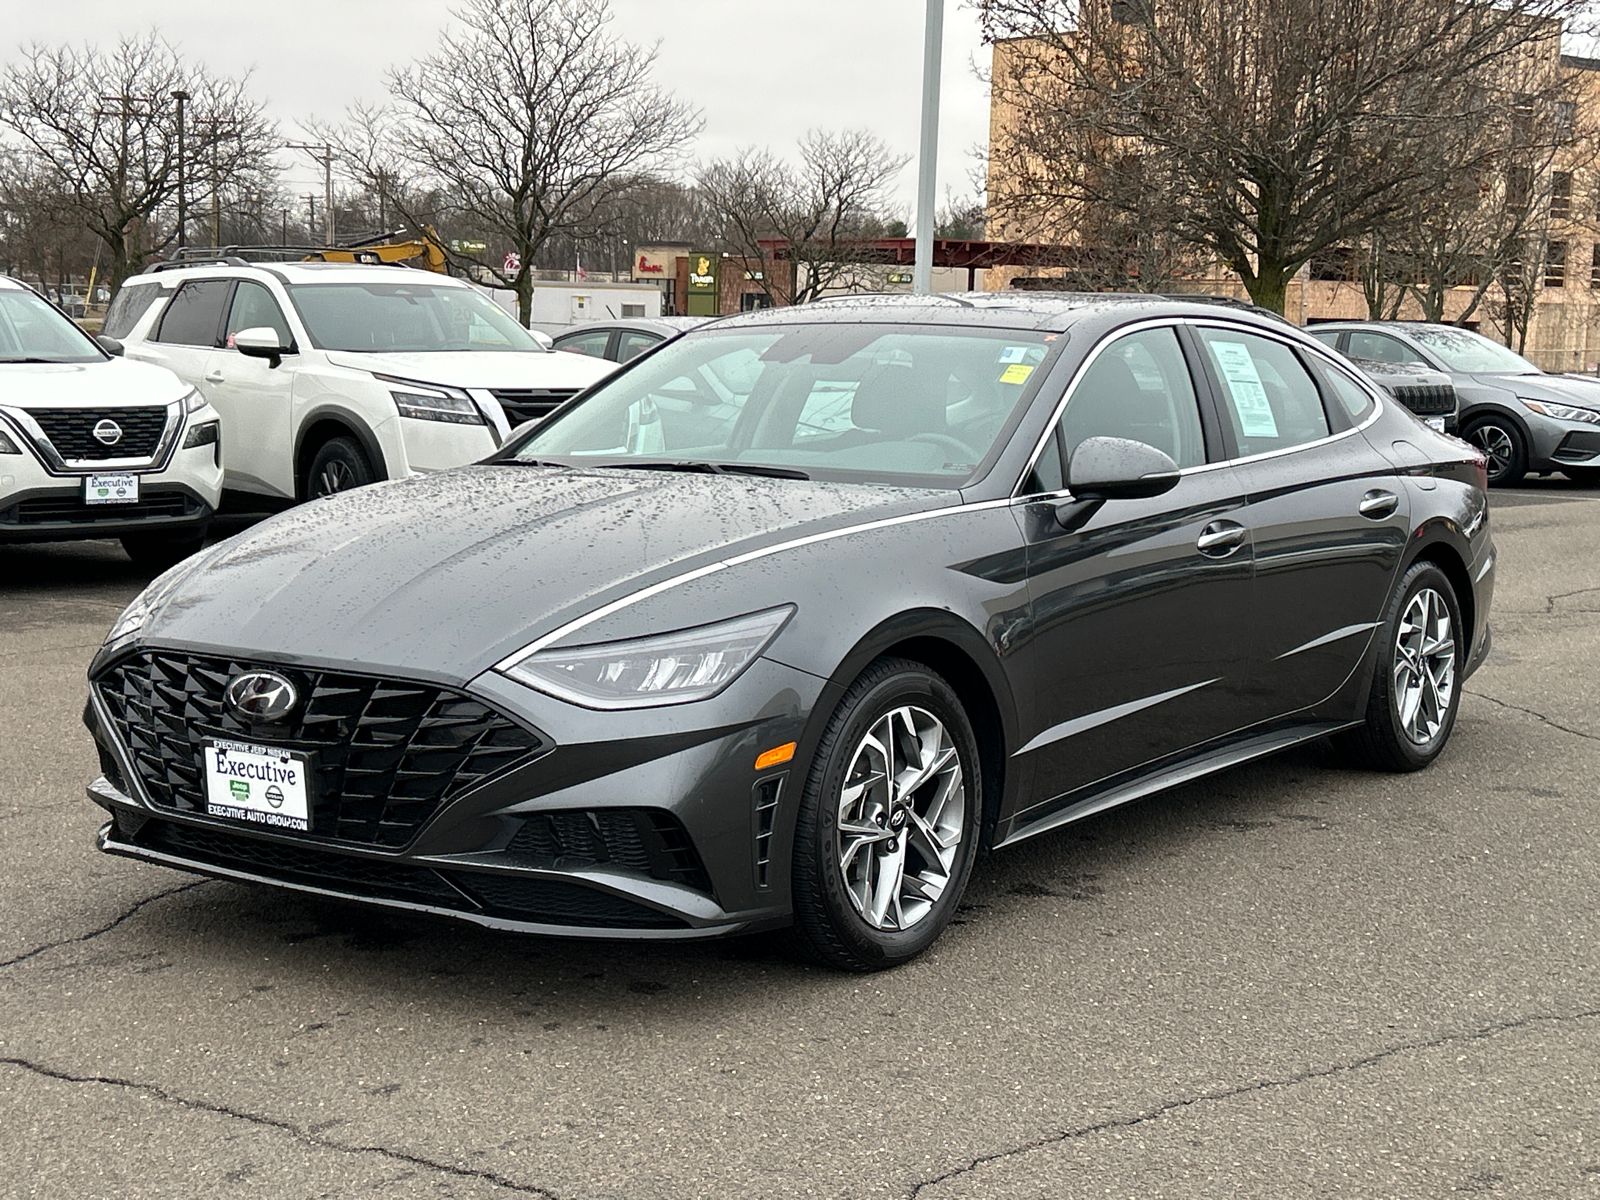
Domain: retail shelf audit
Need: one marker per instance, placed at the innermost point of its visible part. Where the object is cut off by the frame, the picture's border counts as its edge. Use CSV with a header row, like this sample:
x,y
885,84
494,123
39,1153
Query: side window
x,y
592,344
1382,347
1329,338
1138,388
130,304
194,315
1349,394
631,345
1269,398
254,308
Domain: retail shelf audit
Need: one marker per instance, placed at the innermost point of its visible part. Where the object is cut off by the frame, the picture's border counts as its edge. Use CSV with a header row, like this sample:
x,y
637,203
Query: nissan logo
x,y
262,696
108,432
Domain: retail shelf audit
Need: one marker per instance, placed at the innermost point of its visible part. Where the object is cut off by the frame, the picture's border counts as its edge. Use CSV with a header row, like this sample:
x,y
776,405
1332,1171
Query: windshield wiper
x,y
29,360
710,468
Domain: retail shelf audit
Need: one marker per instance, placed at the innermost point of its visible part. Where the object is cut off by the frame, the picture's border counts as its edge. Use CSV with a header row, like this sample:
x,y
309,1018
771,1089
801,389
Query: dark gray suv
x,y
1522,418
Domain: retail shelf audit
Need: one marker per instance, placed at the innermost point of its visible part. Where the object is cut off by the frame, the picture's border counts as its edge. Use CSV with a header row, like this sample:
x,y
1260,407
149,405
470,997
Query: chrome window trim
x,y
45,451
1331,356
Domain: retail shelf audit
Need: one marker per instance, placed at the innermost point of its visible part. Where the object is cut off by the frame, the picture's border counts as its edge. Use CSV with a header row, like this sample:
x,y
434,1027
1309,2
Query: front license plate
x,y
111,489
257,783
1436,424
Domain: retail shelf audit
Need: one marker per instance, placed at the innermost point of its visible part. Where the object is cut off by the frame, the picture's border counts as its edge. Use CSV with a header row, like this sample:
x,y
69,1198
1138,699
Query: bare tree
x,y
522,126
103,128
1274,130
803,227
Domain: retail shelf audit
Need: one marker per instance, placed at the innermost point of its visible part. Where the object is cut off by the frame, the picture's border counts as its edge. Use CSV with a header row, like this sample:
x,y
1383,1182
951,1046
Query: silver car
x,y
1521,417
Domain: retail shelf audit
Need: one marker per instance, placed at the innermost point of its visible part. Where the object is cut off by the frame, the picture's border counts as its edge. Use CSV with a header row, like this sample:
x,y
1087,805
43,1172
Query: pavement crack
x,y
159,1093
1593,737
1550,601
106,928
1216,1097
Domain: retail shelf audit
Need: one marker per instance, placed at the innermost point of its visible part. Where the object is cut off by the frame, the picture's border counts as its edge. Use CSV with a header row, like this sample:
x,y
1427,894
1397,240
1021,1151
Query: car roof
x,y
9,284
663,325
1045,311
295,272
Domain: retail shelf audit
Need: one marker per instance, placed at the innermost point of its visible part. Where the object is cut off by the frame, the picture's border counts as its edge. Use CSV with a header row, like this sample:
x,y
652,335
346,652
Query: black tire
x,y
338,465
158,551
1583,476
1505,444
828,927
1382,740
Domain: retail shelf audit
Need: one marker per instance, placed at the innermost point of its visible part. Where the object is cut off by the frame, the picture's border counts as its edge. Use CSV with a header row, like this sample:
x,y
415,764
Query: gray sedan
x,y
623,341
1521,417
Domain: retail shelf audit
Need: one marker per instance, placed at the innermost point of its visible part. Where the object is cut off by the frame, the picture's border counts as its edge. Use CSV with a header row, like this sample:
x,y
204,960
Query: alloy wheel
x,y
1498,444
335,476
1424,669
901,818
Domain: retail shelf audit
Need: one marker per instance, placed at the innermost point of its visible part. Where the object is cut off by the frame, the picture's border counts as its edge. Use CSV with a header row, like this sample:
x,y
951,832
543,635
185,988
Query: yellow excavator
x,y
380,249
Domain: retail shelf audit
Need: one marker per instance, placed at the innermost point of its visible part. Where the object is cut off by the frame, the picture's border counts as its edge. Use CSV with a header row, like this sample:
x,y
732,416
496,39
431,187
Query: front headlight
x,y
433,402
1561,412
671,668
133,617
193,402
7,446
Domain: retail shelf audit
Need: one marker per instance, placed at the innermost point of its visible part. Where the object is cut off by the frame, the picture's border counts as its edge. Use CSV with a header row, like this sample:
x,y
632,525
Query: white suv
x,y
329,376
93,446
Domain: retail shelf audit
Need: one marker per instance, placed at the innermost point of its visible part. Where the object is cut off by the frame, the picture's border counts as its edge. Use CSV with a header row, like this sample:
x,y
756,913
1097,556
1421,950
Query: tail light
x,y
1480,468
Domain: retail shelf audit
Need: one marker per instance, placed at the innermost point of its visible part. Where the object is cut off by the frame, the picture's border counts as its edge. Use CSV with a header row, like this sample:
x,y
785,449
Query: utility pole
x,y
928,161
182,97
322,153
311,225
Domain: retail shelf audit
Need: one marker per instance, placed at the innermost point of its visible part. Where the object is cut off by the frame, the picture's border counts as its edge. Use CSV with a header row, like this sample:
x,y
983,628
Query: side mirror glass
x,y
109,344
1108,468
261,342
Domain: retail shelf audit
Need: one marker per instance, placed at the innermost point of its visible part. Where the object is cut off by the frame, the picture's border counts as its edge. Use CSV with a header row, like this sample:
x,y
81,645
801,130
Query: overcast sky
x,y
763,71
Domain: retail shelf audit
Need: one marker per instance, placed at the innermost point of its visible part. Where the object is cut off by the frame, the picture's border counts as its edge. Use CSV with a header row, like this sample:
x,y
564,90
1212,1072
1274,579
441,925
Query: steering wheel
x,y
949,443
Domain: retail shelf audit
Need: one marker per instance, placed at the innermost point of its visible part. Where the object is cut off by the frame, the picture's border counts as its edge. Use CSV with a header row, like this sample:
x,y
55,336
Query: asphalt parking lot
x,y
1291,980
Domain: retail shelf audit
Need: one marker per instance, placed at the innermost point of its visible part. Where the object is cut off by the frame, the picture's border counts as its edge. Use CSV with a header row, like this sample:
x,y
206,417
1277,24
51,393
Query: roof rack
x,y
211,260
1226,302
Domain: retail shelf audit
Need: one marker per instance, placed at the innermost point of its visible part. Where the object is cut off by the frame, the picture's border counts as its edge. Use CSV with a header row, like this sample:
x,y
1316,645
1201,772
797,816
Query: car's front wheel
x,y
1504,444
888,822
1416,689
338,465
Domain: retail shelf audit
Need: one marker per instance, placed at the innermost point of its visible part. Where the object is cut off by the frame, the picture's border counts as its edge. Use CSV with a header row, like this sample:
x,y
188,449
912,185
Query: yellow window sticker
x,y
1016,373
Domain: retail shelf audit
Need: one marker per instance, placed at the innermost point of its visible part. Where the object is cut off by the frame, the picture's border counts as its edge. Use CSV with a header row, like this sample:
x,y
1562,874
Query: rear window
x,y
130,304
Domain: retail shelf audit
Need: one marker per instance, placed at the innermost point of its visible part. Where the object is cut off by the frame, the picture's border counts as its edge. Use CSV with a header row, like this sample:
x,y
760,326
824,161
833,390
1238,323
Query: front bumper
x,y
689,772
1557,444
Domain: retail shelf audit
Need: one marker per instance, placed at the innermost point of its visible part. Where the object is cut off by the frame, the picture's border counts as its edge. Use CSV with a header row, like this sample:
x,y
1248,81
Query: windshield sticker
x,y
1016,373
1244,385
1014,354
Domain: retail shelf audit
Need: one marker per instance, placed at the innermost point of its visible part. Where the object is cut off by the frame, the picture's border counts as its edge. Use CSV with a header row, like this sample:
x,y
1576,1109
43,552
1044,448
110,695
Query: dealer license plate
x,y
259,784
1436,424
111,489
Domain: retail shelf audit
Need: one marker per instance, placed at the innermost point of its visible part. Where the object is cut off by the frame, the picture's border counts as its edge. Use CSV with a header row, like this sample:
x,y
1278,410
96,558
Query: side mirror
x,y
109,344
261,342
1108,468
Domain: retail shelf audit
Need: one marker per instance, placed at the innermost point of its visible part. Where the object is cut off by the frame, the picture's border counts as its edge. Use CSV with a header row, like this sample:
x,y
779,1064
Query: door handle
x,y
214,377
1220,539
1378,504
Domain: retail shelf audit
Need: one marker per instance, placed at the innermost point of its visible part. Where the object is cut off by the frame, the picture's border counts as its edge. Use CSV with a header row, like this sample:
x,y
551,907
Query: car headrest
x,y
899,400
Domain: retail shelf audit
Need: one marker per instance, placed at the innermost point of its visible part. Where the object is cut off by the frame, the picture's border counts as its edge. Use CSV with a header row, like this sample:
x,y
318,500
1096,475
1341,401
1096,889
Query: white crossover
x,y
329,376
95,446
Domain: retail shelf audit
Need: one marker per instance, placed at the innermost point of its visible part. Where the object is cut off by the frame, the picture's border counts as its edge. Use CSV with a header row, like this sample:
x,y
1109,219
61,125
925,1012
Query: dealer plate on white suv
x,y
111,489
260,784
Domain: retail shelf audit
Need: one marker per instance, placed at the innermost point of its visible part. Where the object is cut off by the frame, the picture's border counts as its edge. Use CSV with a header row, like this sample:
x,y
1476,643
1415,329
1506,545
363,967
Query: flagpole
x,y
927,164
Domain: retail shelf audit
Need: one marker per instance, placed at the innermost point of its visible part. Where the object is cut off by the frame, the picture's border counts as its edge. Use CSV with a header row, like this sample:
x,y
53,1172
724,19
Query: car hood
x,y
1561,389
116,383
483,369
443,575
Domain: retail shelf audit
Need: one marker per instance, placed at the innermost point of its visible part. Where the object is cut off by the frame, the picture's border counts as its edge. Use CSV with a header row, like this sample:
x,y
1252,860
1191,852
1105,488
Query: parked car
x,y
94,446
330,376
944,574
624,341
1427,394
1522,418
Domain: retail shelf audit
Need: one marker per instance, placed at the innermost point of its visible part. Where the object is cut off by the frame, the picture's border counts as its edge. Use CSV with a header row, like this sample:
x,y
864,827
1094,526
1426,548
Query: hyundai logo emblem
x,y
108,433
263,696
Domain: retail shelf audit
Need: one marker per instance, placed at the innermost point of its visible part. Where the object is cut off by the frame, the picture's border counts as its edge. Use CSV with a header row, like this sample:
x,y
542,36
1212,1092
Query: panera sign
x,y
703,273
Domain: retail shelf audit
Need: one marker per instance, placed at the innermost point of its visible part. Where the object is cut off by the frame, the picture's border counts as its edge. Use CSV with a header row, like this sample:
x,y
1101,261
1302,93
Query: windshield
x,y
406,316
32,331
1463,350
867,403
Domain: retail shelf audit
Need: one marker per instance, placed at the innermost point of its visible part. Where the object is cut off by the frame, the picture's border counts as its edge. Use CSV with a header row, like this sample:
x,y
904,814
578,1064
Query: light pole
x,y
928,162
182,97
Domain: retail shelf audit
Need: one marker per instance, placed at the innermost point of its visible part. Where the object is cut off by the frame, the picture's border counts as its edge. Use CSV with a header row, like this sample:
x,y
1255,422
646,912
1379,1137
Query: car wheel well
x,y
322,431
1455,570
967,678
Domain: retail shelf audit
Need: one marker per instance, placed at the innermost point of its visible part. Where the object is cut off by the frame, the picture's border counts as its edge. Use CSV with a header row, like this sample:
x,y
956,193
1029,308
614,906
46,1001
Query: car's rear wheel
x,y
1584,476
1506,446
338,465
888,823
158,551
1416,689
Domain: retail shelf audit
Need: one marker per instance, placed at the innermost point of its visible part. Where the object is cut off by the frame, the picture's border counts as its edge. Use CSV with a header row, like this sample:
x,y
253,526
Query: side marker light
x,y
775,757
